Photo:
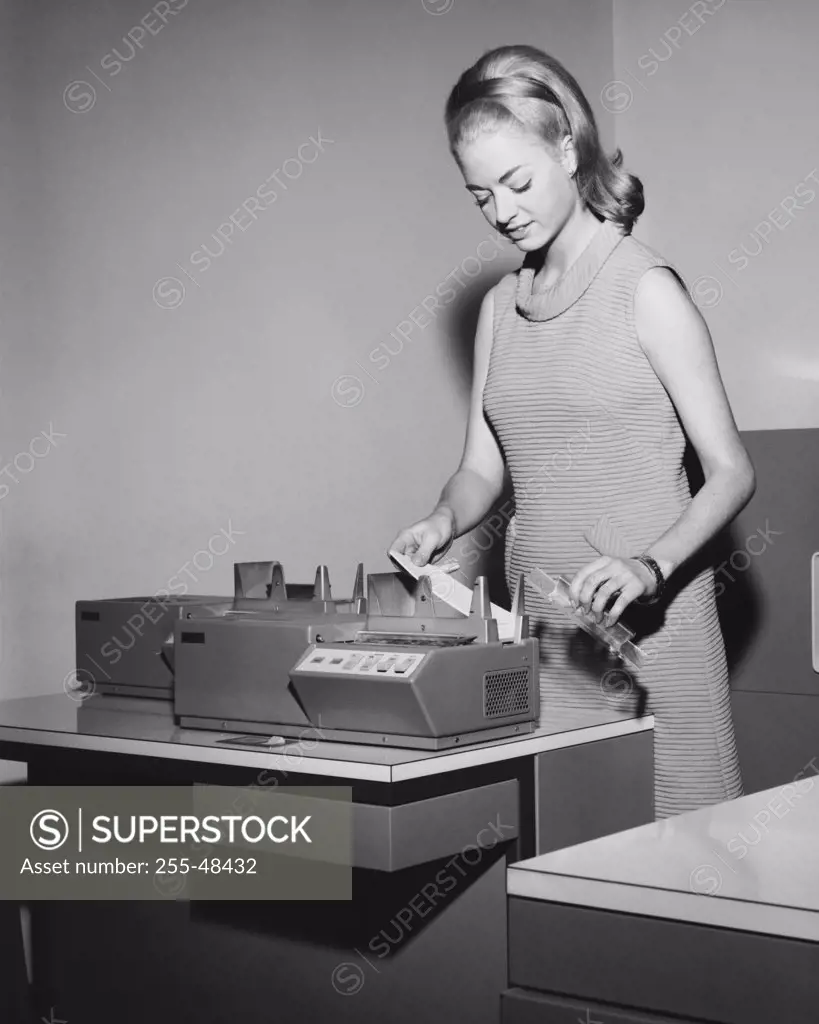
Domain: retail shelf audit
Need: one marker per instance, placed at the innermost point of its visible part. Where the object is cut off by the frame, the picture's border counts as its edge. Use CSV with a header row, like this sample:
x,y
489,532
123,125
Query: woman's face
x,y
523,190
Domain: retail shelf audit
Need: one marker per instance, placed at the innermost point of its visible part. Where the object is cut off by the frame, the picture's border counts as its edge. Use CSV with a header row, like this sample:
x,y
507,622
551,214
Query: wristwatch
x,y
657,573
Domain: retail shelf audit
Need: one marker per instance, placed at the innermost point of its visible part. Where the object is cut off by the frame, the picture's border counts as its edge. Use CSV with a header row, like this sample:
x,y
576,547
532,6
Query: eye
x,y
481,201
524,188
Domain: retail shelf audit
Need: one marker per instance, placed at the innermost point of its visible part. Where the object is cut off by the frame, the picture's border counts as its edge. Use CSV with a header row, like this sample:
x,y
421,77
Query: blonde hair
x,y
526,89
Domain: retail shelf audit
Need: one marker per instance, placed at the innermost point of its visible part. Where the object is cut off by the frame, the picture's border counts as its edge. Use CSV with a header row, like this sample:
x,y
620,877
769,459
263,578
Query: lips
x,y
518,230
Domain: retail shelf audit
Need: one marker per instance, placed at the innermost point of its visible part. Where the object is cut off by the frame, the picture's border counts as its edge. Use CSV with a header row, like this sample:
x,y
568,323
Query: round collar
x,y
546,303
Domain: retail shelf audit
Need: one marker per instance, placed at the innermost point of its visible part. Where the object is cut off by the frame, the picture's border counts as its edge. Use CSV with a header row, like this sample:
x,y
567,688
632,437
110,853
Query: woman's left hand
x,y
596,583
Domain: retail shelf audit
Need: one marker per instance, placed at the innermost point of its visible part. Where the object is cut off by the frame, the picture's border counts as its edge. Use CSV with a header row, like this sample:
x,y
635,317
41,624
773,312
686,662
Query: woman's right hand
x,y
428,538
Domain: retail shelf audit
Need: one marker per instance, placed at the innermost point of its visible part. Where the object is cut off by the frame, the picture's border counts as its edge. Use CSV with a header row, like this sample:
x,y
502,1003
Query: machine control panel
x,y
335,661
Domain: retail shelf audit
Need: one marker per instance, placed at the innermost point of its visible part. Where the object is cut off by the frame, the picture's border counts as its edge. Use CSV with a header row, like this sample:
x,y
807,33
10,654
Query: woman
x,y
591,366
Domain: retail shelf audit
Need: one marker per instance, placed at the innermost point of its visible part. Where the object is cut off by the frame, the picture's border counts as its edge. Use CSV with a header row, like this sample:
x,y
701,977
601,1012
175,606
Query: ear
x,y
568,156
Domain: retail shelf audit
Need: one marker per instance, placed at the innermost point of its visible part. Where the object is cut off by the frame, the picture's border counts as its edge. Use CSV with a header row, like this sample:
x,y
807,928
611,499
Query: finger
x,y
589,593
440,561
604,594
589,588
405,543
628,594
440,552
425,548
581,575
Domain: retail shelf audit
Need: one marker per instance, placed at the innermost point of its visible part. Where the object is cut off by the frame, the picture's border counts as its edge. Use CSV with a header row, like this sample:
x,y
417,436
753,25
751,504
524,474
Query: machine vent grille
x,y
506,692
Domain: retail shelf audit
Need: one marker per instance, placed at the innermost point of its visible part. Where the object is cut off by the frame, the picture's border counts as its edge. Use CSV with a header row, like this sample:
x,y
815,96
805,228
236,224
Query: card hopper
x,y
423,674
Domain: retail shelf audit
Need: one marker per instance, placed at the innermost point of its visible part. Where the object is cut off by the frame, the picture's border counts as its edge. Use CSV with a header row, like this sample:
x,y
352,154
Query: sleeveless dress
x,y
594,448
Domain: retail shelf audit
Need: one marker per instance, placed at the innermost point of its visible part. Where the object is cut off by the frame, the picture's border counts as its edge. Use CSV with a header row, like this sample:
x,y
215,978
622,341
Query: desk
x,y
711,916
416,813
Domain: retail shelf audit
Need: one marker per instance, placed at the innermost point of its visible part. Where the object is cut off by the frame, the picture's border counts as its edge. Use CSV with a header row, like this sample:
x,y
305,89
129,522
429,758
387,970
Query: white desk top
x,y
143,727
750,864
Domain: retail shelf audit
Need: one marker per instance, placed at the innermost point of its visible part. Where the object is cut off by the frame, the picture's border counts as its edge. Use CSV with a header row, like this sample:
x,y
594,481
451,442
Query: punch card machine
x,y
399,666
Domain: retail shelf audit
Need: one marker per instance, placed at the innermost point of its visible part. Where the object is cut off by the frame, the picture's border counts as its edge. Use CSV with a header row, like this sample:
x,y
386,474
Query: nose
x,y
505,209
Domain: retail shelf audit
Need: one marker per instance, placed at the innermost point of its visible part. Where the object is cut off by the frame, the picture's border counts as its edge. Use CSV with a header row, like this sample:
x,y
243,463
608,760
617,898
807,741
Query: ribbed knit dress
x,y
595,452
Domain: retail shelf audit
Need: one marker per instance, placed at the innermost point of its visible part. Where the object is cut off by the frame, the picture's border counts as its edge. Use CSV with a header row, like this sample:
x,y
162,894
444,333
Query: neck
x,y
568,244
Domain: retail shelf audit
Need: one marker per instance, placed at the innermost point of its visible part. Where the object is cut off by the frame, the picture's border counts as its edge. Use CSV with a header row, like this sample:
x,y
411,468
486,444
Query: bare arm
x,y
477,483
678,345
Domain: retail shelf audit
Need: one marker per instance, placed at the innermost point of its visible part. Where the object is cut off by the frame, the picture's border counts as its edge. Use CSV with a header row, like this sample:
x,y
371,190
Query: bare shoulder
x,y
502,292
493,300
664,314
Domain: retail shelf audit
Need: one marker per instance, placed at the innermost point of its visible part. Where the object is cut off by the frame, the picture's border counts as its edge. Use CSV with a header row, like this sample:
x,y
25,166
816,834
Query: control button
x,y
404,665
352,662
368,663
386,664
336,661
316,659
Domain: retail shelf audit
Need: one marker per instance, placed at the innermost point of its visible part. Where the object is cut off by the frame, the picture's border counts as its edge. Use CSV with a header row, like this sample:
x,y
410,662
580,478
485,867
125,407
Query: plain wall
x,y
715,109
